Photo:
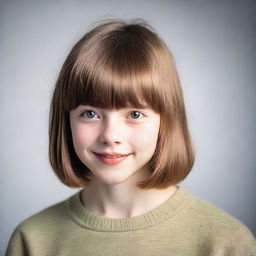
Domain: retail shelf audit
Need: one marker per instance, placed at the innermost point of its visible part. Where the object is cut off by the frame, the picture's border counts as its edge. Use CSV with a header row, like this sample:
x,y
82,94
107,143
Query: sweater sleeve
x,y
241,243
17,244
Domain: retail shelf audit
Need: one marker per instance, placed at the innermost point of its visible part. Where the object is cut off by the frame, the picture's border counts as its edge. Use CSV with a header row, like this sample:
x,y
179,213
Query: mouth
x,y
111,159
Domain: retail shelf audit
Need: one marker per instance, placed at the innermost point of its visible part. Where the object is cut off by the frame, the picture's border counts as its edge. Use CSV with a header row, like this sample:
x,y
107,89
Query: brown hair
x,y
114,65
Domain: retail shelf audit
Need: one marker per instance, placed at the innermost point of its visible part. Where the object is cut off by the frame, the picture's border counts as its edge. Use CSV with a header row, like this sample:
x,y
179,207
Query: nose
x,y
111,132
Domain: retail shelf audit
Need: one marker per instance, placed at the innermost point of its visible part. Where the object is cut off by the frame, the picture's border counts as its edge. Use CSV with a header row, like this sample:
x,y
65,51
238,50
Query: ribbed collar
x,y
166,210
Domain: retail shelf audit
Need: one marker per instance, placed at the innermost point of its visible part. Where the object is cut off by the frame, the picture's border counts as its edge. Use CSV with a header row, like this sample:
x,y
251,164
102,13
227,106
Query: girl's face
x,y
115,145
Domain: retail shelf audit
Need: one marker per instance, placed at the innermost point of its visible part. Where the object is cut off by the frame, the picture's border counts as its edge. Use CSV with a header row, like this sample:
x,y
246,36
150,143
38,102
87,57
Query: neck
x,y
122,200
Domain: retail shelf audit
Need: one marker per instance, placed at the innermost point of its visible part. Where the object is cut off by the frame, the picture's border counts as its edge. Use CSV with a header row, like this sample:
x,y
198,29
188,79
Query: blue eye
x,y
135,114
90,114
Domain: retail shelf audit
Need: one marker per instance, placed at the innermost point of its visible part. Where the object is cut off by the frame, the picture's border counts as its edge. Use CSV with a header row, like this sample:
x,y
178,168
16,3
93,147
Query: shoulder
x,y
208,213
217,228
40,231
50,218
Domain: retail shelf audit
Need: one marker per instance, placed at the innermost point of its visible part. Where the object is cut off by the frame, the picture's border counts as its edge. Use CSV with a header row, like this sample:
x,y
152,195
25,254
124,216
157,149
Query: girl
x,y
118,129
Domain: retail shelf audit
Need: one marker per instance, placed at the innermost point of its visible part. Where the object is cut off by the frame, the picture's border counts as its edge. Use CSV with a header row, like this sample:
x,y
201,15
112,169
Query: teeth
x,y
111,156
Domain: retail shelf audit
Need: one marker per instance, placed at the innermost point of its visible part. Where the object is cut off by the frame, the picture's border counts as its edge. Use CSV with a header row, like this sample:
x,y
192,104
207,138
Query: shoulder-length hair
x,y
115,65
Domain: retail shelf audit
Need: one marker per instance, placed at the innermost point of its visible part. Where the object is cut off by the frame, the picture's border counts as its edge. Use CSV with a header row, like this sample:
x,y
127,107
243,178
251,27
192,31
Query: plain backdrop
x,y
214,44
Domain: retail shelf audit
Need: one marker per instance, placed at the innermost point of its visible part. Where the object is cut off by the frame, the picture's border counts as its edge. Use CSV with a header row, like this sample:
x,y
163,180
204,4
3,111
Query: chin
x,y
112,179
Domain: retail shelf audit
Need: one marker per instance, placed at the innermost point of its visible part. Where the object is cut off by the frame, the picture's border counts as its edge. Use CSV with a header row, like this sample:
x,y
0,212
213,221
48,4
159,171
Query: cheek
x,y
82,137
145,139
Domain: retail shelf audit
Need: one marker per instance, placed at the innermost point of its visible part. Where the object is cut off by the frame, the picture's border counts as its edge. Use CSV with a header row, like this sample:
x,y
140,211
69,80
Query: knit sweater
x,y
182,225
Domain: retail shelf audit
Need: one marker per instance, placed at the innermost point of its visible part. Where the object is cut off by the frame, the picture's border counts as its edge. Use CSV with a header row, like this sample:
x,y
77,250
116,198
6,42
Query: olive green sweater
x,y
183,225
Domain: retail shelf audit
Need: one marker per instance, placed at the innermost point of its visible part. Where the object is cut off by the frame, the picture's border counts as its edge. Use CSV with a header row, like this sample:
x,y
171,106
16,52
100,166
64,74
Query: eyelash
x,y
86,111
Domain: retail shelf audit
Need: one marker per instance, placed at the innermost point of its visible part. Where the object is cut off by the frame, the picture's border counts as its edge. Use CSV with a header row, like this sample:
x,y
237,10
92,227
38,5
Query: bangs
x,y
114,75
112,90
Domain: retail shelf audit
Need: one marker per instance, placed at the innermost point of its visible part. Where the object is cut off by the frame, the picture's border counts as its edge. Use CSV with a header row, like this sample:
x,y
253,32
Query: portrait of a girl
x,y
118,130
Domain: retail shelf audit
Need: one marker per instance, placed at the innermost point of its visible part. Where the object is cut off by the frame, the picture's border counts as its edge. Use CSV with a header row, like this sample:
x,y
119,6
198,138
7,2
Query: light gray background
x,y
214,46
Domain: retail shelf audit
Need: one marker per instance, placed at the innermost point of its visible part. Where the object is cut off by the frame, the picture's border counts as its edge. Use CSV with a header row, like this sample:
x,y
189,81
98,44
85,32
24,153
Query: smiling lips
x,y
111,158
